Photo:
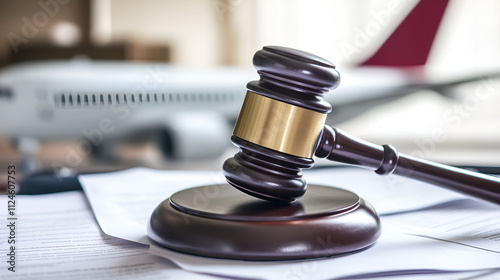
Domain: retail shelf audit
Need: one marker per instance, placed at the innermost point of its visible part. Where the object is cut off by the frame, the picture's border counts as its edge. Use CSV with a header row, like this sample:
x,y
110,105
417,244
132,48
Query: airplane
x,y
190,112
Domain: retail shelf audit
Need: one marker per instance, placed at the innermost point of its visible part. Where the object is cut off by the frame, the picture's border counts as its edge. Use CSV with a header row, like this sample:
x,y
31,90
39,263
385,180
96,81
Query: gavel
x,y
281,126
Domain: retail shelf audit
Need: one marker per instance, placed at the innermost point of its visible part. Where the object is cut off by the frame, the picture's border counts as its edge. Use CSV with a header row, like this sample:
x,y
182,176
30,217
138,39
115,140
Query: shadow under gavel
x,y
281,126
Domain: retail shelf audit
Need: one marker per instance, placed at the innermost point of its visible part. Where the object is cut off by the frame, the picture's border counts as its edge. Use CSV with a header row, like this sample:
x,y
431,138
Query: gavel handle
x,y
338,146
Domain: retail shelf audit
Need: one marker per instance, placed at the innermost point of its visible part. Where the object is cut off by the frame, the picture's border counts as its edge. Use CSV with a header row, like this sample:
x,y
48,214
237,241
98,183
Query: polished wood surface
x,y
297,78
301,79
226,223
338,146
230,224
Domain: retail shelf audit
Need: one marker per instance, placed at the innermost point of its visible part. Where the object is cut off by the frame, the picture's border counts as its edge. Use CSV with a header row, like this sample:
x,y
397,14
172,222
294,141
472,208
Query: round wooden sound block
x,y
222,222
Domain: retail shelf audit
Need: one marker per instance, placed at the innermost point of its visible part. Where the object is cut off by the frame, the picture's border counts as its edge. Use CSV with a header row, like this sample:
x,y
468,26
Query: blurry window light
x,y
65,34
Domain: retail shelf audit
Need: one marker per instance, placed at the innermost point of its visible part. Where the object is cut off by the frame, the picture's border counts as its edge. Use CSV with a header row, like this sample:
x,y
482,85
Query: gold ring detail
x,y
278,125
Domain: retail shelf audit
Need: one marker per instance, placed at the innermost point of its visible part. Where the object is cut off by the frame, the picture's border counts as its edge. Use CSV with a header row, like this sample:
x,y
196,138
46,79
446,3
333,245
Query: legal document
x,y
123,202
57,237
466,222
387,194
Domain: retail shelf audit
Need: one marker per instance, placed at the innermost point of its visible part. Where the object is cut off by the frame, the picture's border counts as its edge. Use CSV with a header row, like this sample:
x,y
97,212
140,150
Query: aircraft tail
x,y
411,42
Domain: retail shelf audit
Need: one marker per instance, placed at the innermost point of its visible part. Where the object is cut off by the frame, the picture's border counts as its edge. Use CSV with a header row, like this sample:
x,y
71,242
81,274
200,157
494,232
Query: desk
x,y
398,251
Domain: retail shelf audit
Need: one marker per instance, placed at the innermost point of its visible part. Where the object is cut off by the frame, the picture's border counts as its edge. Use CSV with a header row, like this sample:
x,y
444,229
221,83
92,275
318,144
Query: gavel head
x,y
280,122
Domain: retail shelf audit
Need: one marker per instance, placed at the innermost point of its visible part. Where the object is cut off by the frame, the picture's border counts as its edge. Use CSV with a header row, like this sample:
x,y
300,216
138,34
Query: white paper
x,y
387,194
129,197
123,202
394,253
57,237
466,222
124,268
112,192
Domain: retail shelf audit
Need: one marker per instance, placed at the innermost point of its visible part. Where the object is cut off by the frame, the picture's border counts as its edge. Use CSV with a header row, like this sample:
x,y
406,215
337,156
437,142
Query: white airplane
x,y
189,111
103,101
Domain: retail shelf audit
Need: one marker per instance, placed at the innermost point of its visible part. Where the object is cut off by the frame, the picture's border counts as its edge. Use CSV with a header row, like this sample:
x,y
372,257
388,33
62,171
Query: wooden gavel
x,y
281,126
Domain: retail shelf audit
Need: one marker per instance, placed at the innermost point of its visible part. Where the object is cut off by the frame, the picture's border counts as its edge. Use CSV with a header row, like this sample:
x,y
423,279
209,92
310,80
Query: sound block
x,y
222,222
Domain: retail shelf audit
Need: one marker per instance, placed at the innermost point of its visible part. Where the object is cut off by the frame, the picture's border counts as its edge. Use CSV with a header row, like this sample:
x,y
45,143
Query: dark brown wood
x,y
301,79
336,145
293,77
265,173
222,222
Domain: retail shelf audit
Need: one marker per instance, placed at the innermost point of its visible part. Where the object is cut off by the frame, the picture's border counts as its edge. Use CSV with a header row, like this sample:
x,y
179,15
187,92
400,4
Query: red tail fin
x,y
411,42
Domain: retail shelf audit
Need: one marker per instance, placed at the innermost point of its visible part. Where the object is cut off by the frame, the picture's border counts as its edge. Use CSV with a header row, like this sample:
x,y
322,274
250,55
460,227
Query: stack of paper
x,y
57,237
123,202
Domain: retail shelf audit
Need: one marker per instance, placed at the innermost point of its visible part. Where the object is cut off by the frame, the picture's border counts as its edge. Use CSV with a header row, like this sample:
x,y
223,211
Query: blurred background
x,y
215,32
455,122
